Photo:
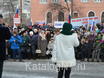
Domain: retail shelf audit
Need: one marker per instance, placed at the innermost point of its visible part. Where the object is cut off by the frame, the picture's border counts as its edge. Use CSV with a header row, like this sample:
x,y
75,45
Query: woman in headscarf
x,y
42,43
63,53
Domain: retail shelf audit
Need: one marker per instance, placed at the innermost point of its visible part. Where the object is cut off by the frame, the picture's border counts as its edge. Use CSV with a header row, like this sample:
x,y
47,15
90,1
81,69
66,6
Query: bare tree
x,y
60,8
57,6
8,8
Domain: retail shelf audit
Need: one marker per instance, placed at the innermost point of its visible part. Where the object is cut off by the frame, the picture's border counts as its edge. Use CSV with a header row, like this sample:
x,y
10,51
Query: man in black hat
x,y
4,35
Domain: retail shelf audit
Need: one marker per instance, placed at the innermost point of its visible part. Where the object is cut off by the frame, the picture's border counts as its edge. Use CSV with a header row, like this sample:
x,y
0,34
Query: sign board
x,y
41,23
17,20
77,22
58,24
84,21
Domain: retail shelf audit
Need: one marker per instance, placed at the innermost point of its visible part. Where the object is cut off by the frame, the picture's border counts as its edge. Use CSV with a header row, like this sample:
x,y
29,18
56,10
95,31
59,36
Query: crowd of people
x,y
27,43
91,43
48,42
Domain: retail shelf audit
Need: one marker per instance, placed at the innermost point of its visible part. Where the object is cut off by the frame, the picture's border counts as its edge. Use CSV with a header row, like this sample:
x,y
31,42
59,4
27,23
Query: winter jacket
x,y
15,42
4,35
25,42
33,40
63,53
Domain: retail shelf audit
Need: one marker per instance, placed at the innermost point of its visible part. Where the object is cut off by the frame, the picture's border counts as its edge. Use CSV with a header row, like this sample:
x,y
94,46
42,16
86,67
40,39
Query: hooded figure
x,y
63,52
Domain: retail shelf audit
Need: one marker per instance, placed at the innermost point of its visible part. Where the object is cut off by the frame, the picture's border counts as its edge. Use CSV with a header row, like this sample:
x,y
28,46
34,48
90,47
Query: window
x,y
55,1
91,14
43,1
97,0
84,0
61,16
49,17
67,0
102,17
75,15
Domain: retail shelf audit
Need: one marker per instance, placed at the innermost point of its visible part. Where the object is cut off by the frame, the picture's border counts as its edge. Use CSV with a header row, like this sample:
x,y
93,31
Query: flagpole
x,y
21,11
70,10
67,6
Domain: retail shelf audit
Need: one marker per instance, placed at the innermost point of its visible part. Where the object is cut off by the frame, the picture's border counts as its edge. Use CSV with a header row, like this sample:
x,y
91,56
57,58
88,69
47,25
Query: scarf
x,y
43,36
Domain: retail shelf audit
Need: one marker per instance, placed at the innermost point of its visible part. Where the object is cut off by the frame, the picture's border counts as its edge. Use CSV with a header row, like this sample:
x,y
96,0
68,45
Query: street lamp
x,y
21,11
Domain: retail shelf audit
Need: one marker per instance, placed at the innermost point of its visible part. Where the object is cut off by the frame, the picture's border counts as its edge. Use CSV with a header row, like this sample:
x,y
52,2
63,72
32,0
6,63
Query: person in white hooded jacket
x,y
63,52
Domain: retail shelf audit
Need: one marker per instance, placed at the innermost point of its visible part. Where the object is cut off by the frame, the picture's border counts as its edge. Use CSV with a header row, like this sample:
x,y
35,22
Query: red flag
x,y
69,19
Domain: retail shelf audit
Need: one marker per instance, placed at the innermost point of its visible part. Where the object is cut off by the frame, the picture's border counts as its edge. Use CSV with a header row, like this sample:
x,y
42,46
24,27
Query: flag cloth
x,y
92,27
69,19
17,13
16,18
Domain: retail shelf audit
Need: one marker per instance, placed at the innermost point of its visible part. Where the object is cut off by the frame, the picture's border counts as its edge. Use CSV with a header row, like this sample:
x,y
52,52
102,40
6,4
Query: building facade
x,y
49,11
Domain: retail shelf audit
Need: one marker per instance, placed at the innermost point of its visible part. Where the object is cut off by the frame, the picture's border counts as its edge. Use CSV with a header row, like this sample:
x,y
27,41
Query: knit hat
x,y
66,30
1,16
31,32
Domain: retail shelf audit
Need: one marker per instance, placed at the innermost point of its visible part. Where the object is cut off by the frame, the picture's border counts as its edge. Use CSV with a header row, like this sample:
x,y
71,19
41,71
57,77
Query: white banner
x,y
77,22
58,24
17,20
84,21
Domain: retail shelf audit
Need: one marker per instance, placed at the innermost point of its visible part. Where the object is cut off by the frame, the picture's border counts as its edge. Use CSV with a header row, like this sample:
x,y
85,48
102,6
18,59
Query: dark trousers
x,y
1,68
33,51
66,74
17,52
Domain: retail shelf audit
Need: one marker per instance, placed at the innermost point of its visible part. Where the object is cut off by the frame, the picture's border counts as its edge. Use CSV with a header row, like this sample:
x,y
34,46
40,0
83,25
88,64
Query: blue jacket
x,y
15,42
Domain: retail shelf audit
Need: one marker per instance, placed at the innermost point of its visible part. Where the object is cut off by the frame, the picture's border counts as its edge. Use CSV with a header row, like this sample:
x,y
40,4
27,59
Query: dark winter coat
x,y
42,45
4,35
33,41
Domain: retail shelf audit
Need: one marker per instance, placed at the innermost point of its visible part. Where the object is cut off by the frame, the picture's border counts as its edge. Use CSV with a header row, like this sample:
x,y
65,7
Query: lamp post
x,y
21,11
